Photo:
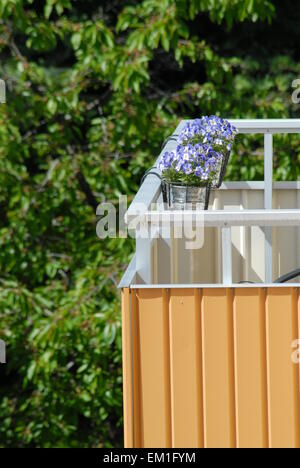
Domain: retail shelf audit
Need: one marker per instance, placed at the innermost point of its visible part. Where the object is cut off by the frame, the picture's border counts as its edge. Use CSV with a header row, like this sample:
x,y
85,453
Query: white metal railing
x,y
150,192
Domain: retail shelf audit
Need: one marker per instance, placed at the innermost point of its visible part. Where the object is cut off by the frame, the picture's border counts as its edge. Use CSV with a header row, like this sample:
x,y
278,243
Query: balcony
x,y
207,335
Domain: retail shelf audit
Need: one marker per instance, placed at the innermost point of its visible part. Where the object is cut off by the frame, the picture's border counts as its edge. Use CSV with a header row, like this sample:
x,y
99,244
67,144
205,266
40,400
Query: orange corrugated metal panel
x,y
217,350
127,370
283,381
250,369
211,367
155,366
186,369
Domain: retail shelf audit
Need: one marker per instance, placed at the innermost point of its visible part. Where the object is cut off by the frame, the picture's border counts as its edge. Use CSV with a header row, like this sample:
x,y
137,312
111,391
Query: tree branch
x,y
86,189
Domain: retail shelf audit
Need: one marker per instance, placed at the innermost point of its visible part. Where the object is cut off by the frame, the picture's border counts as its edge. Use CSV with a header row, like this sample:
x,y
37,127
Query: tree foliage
x,y
93,90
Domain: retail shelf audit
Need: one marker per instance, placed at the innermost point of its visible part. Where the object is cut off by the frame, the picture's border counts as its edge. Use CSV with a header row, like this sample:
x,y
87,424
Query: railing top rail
x,y
224,218
265,125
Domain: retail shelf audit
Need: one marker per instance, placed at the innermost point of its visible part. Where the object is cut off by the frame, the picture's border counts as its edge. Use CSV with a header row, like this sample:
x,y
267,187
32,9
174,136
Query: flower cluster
x,y
200,160
199,155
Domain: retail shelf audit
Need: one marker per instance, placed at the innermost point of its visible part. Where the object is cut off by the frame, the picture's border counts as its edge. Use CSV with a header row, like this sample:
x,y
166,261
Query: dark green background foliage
x,y
93,89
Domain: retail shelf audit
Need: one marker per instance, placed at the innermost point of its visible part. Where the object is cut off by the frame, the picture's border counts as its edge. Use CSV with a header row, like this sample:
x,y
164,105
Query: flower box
x,y
198,163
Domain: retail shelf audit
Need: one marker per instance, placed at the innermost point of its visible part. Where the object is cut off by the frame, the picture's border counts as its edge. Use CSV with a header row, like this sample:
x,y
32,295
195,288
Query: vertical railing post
x,y
144,263
146,253
268,203
226,255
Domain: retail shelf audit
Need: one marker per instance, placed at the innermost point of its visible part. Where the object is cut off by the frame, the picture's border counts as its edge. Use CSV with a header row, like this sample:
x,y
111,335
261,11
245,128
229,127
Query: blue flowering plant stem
x,y
200,159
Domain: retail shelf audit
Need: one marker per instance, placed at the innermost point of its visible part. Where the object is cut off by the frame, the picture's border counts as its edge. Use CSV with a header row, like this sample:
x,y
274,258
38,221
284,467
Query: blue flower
x,y
187,168
201,147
